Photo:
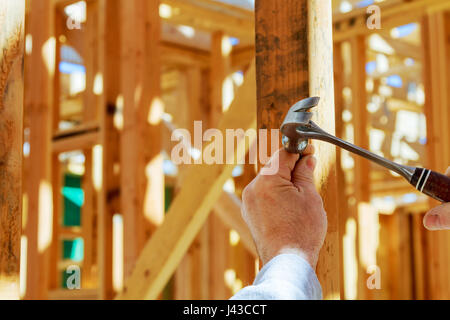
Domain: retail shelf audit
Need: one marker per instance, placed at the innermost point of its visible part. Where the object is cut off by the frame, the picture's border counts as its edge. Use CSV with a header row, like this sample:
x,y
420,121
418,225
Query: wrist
x,y
309,256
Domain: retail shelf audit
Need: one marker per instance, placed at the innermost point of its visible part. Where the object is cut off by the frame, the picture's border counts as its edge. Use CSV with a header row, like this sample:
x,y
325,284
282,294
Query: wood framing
x,y
42,70
191,207
294,59
220,69
338,67
204,15
108,196
360,116
218,233
142,180
139,69
12,26
201,15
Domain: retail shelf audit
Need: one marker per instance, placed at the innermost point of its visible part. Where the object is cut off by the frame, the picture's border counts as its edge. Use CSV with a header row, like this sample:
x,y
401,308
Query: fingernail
x,y
311,162
432,222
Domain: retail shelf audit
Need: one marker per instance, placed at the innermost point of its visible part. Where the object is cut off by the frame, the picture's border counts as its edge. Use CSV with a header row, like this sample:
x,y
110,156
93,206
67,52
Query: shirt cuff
x,y
285,277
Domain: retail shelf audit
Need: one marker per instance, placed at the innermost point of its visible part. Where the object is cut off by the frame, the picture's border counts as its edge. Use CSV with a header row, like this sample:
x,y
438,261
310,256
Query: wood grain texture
x,y
281,58
320,43
294,59
12,15
142,177
40,215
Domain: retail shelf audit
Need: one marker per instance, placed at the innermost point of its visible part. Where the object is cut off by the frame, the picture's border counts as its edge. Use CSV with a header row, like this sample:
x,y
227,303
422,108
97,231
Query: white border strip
x,y
425,182
420,178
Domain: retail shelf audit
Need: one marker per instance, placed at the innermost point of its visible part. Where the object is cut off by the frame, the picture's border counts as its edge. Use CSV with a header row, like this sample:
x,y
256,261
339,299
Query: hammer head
x,y
298,115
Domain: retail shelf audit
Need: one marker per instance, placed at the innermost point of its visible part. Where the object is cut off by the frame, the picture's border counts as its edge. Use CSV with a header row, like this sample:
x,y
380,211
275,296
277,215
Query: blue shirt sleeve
x,y
285,277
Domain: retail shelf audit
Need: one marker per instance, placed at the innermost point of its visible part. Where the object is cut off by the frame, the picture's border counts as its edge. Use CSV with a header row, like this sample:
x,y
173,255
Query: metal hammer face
x,y
298,115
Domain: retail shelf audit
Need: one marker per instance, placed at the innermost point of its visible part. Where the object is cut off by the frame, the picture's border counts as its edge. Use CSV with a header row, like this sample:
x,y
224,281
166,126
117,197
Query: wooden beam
x,y
294,57
218,258
220,68
42,69
177,55
435,35
338,67
400,258
361,138
12,26
218,233
109,68
88,211
56,248
213,18
437,104
360,116
190,208
242,57
418,242
320,52
90,54
204,15
403,48
76,142
228,209
142,179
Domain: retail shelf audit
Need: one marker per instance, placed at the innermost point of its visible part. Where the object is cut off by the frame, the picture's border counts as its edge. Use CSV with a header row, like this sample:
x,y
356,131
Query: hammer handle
x,y
431,183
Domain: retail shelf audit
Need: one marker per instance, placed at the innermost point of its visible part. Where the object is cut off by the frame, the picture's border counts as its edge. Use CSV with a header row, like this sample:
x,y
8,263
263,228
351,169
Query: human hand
x,y
284,212
438,218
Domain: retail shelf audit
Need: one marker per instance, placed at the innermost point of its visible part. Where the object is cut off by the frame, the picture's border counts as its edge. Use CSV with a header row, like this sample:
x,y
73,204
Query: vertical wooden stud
x,y
294,59
108,193
39,226
142,180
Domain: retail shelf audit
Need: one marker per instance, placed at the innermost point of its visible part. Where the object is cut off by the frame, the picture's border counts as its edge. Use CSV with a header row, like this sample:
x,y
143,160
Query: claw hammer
x,y
298,127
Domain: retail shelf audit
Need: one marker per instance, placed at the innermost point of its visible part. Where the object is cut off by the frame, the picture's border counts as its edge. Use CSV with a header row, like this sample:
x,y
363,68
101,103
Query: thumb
x,y
303,174
438,218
